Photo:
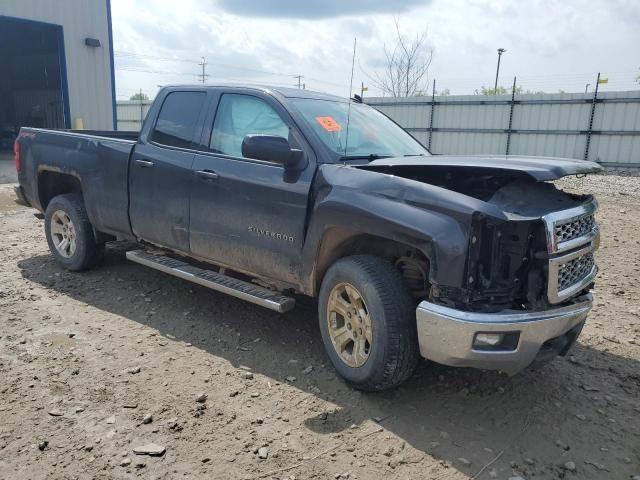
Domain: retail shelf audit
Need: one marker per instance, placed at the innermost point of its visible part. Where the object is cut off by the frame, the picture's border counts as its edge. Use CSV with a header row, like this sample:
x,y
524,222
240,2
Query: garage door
x,y
33,88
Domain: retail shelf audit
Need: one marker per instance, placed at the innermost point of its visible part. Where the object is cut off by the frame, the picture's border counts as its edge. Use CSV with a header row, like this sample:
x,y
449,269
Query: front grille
x,y
572,238
573,271
573,229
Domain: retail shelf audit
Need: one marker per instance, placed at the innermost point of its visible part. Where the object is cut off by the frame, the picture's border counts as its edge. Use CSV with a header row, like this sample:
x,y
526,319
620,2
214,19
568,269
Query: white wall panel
x,y
570,119
130,114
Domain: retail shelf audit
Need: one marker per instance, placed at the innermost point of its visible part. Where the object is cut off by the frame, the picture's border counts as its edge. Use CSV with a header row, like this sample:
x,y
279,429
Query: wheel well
x,y
412,263
52,184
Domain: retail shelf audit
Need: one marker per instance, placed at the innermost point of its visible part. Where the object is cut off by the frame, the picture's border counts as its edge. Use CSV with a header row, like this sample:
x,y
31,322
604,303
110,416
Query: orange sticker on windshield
x,y
329,124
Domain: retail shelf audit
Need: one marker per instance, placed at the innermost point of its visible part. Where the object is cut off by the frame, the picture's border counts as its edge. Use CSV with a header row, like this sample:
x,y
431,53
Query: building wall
x,y
89,70
554,125
131,114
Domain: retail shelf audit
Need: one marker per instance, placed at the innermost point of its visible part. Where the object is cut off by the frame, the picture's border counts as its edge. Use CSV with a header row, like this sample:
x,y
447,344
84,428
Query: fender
x,y
350,202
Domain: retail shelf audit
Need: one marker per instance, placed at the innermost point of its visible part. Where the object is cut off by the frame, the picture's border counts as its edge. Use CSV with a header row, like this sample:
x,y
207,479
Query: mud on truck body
x,y
261,193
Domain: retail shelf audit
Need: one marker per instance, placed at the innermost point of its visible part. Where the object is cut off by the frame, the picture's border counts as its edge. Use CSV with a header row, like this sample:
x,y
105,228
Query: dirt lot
x,y
85,357
7,168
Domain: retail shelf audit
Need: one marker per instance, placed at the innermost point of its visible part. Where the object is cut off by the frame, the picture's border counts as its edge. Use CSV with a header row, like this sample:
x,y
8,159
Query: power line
x,y
120,53
319,80
142,70
555,80
220,79
136,69
220,64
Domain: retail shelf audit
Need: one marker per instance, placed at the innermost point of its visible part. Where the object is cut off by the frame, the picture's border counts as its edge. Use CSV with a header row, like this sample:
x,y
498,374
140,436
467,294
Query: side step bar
x,y
213,280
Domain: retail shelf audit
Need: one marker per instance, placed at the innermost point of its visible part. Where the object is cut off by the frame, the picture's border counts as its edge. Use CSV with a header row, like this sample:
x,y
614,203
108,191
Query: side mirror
x,y
271,148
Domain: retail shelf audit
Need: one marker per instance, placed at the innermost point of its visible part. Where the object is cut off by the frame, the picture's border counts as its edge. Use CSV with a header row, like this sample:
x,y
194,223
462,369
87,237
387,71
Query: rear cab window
x,y
178,118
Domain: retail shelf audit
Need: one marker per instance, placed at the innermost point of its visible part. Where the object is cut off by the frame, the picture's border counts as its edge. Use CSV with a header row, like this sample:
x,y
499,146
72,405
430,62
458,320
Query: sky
x,y
551,45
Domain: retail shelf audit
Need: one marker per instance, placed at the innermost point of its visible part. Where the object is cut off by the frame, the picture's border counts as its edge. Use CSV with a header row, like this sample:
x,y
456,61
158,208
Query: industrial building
x,y
57,66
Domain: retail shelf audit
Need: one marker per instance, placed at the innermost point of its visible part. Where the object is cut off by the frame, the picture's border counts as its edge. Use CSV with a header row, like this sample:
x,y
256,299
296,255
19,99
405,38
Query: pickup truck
x,y
265,193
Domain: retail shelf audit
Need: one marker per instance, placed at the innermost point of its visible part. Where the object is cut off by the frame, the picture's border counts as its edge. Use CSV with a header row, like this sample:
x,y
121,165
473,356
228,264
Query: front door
x,y
160,173
249,214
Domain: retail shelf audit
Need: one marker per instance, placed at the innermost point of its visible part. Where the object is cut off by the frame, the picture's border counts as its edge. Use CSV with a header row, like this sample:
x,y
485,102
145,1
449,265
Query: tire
x,y
81,251
390,330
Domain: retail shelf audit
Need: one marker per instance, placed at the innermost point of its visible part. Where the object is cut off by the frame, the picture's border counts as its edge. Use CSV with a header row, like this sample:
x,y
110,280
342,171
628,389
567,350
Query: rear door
x,y
249,214
160,171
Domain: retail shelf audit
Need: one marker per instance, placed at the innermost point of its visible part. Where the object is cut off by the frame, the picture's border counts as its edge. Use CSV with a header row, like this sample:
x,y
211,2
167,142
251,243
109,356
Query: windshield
x,y
371,134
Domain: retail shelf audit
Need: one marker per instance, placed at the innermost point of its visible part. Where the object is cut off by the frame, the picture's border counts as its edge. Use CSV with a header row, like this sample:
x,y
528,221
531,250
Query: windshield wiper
x,y
371,157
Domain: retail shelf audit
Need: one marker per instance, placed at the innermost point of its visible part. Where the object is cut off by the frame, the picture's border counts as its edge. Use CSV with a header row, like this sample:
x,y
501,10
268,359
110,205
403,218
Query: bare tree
x,y
407,65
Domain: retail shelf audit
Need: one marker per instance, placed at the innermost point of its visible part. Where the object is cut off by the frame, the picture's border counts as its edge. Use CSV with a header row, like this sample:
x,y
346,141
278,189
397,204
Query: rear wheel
x,y
368,324
69,233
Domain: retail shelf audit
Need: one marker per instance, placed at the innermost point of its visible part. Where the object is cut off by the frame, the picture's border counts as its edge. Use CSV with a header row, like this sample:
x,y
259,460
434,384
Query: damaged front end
x,y
529,244
526,293
541,255
521,295
504,268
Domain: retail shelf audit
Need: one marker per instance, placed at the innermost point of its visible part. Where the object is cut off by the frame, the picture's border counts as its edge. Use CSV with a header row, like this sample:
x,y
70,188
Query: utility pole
x,y
299,77
203,64
500,52
141,109
363,89
593,111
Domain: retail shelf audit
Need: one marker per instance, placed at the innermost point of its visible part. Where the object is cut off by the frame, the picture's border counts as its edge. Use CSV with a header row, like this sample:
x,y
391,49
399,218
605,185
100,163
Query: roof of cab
x,y
287,92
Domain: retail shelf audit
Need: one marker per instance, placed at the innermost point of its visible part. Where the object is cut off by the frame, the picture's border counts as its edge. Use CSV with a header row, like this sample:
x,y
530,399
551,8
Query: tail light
x,y
16,154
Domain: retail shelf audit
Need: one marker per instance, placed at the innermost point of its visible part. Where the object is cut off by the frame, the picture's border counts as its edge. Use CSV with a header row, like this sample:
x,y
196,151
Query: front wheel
x,y
70,234
368,323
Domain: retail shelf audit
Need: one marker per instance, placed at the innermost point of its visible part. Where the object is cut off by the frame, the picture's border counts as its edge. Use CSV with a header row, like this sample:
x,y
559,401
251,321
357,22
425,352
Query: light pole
x,y
500,52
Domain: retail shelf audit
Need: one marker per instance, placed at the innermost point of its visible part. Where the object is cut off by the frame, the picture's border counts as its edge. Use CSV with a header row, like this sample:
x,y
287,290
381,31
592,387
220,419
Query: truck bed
x,y
99,160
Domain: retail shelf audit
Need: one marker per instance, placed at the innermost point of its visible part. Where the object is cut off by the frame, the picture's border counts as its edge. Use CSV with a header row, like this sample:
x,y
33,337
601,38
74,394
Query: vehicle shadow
x,y
468,418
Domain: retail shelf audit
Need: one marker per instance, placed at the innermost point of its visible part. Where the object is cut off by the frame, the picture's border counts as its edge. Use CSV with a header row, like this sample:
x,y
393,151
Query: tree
x,y
493,91
139,96
407,66
503,91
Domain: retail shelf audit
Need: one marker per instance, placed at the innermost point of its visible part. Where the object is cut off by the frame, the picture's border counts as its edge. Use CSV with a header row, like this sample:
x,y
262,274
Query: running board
x,y
215,281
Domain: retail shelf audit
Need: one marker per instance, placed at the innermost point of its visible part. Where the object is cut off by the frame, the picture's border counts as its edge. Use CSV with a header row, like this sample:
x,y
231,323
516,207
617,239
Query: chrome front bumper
x,y
446,335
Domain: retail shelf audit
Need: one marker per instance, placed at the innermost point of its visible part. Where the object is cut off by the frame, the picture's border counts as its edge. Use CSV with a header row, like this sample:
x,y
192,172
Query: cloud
x,y
316,9
546,51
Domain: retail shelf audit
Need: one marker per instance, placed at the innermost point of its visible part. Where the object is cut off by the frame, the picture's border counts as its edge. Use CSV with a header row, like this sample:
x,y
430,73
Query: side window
x,y
177,119
239,115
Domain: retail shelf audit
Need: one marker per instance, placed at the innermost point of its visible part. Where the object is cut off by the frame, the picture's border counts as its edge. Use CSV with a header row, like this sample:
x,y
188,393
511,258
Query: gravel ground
x,y
94,366
602,185
7,168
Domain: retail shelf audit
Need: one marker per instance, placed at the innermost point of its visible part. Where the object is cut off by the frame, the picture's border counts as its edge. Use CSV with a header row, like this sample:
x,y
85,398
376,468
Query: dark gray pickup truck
x,y
263,193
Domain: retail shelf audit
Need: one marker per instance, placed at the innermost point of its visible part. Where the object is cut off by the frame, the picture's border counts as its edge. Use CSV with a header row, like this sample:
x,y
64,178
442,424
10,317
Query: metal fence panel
x,y
131,114
541,124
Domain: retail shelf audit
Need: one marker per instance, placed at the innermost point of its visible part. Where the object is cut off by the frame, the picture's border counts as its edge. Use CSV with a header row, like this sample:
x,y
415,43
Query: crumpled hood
x,y
539,168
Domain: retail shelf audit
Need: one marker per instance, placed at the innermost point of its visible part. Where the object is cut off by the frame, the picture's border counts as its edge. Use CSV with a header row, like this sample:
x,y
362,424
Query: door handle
x,y
206,174
144,163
